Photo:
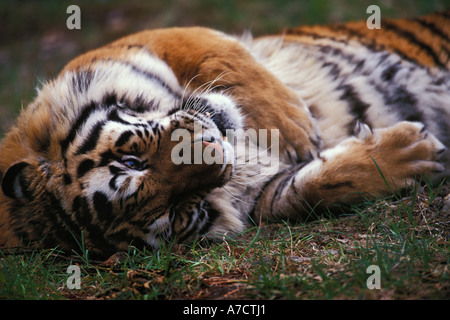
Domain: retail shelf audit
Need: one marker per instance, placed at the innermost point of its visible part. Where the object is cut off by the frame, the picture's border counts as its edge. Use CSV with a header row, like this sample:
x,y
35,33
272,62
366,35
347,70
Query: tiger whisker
x,y
234,197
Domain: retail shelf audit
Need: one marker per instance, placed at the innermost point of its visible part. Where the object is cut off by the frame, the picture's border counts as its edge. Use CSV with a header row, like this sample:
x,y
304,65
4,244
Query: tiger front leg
x,y
370,165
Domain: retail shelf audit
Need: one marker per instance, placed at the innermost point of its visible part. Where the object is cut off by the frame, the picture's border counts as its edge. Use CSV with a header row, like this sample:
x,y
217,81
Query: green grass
x,y
407,238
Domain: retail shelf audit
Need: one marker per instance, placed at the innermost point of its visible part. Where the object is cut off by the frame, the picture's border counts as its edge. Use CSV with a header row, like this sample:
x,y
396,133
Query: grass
x,y
407,238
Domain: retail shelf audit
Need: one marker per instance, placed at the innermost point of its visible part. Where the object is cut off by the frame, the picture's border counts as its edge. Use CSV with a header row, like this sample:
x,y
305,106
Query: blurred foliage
x,y
35,42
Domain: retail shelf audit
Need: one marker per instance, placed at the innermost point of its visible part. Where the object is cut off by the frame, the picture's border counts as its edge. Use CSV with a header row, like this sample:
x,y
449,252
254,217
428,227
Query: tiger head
x,y
100,155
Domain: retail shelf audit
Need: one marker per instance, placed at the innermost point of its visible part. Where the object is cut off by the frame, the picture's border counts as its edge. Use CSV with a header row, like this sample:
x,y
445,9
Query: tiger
x,y
340,114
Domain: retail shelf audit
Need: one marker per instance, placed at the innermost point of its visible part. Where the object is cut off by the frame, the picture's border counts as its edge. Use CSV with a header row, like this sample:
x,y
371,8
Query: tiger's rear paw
x,y
407,150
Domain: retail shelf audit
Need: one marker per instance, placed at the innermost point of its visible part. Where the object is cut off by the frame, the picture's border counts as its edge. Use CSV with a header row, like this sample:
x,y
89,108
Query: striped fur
x,y
91,159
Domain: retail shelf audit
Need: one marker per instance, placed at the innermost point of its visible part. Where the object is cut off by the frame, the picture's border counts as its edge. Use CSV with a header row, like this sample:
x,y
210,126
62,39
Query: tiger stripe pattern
x,y
90,162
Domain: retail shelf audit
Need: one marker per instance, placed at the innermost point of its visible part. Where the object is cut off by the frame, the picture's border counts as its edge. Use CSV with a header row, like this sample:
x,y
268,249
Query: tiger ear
x,y
14,184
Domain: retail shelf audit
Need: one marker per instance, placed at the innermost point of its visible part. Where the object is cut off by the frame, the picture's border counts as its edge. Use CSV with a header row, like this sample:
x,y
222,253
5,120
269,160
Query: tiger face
x,y
115,174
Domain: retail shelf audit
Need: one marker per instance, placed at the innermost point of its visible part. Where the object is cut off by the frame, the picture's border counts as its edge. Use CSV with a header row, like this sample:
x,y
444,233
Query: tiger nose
x,y
215,144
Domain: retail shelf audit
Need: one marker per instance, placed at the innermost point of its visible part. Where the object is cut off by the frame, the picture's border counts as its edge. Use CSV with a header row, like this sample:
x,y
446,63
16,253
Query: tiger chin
x,y
95,158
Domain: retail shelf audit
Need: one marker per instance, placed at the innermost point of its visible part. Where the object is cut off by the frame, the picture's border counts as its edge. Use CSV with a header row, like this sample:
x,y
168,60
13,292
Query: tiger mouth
x,y
218,150
216,144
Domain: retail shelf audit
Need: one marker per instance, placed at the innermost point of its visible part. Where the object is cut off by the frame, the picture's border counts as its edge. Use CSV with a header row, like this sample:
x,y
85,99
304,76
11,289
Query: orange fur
x,y
388,36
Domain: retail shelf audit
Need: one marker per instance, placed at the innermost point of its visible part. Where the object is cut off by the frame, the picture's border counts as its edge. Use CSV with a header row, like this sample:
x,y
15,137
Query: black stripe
x,y
411,37
329,186
113,115
189,232
330,50
349,31
91,142
140,105
445,14
82,80
334,71
432,27
373,45
124,235
84,167
157,137
400,96
67,179
115,170
128,46
102,206
281,186
389,73
404,103
110,99
106,157
37,229
80,207
65,232
261,193
151,216
436,31
300,32
76,127
349,93
121,235
150,76
357,106
153,125
180,218
112,182
350,58
212,217
124,137
146,132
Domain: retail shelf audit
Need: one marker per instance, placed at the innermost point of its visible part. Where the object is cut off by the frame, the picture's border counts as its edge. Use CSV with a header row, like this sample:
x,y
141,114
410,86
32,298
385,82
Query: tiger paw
x,y
401,152
374,162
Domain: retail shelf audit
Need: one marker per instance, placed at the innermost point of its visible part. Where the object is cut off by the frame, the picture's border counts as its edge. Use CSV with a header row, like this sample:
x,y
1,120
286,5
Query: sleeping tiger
x,y
355,113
